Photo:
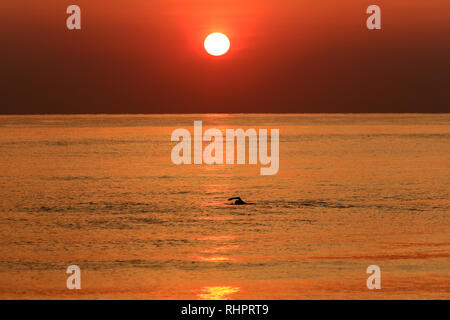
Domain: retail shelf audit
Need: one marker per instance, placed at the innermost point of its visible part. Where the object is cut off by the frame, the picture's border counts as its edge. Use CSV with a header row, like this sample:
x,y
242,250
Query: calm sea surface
x,y
101,192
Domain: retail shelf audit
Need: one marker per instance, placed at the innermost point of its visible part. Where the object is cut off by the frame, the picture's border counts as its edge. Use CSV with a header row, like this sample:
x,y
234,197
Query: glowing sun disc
x,y
217,44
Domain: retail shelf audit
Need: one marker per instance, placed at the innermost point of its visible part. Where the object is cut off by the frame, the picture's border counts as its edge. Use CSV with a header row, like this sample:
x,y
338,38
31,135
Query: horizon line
x,y
221,113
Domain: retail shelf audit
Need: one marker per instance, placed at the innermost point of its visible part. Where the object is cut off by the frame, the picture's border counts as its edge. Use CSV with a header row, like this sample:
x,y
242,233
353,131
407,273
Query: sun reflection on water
x,y
219,249
216,238
217,293
214,259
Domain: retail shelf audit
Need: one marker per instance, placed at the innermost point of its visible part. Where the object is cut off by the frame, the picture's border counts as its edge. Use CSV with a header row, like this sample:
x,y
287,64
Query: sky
x,y
296,56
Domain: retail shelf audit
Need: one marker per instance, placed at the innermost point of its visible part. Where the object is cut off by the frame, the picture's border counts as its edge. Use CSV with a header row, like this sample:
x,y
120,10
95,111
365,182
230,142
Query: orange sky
x,y
144,56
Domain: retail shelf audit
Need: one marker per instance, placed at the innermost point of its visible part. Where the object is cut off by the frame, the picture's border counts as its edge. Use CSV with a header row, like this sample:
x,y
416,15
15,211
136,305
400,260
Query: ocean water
x,y
101,192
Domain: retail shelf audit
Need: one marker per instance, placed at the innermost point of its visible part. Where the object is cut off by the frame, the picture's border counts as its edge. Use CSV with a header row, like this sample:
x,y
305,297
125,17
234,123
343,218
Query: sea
x,y
102,193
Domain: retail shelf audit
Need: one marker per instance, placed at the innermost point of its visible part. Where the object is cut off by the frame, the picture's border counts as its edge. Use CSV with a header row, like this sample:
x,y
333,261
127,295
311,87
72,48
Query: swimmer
x,y
238,201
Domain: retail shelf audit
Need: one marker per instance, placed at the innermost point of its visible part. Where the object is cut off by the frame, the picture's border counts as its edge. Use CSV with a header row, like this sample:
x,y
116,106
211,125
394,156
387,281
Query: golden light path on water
x,y
217,293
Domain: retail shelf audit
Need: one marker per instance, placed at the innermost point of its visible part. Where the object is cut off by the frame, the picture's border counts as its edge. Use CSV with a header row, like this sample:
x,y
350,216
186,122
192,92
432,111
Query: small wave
x,y
313,203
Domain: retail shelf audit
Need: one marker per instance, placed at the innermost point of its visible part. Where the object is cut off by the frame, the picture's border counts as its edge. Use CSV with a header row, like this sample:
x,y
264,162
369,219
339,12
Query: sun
x,y
217,44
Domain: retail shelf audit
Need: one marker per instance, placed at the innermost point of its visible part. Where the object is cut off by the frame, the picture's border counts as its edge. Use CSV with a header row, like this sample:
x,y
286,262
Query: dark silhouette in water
x,y
238,201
